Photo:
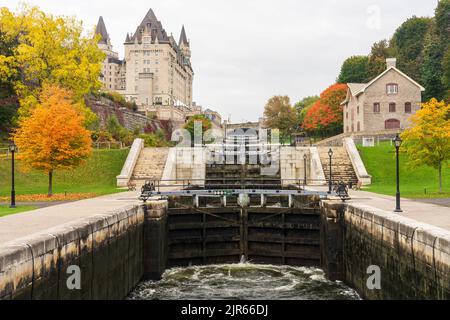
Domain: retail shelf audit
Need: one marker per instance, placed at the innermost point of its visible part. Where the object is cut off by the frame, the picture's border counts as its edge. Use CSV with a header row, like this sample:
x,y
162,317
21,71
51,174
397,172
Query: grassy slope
x,y
97,175
6,210
380,163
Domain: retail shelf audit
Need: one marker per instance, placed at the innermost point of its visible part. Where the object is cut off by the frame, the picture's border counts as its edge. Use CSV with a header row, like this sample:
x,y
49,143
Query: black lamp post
x,y
304,165
330,154
397,143
12,149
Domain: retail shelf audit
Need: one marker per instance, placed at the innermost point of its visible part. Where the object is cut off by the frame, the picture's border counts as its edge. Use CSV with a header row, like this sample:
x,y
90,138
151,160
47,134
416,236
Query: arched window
x,y
358,127
392,124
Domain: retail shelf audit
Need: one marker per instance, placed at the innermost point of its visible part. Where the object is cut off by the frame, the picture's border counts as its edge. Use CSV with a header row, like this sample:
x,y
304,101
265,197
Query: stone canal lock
x,y
273,233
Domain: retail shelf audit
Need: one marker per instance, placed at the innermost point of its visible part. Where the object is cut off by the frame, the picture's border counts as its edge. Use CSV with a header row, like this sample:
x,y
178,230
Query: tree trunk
x,y
50,183
440,176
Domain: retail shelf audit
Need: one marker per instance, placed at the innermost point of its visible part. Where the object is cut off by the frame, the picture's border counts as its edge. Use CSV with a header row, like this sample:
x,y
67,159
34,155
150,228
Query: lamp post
x,y
330,154
397,143
12,149
304,166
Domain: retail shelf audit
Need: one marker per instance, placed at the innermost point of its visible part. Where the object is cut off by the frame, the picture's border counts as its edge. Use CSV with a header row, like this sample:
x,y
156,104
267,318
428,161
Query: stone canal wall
x,y
413,258
114,251
107,248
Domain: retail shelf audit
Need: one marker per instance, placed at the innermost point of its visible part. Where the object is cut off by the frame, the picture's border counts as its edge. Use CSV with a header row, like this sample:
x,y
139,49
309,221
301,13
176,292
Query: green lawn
x,y
421,182
6,210
96,175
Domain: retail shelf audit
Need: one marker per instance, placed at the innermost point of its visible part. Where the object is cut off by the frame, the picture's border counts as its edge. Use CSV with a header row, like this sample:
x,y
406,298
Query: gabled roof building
x,y
385,103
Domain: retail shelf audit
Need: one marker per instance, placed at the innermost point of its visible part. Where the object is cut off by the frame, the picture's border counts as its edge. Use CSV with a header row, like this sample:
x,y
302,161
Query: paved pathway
x,y
26,223
433,214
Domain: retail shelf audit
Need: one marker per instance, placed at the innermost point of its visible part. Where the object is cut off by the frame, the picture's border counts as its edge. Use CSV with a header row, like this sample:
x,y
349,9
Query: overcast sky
x,y
245,51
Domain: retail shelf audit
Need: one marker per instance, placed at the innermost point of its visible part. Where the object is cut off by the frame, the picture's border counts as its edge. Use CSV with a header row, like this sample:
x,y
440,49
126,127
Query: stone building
x,y
385,103
112,70
156,71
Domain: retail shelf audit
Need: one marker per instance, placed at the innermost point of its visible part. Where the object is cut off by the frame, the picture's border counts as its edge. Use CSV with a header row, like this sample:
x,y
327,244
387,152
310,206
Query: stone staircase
x,y
341,166
150,165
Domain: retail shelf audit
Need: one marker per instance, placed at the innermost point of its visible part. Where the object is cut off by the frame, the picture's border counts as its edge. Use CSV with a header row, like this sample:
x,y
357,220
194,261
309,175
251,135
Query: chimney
x,y
391,62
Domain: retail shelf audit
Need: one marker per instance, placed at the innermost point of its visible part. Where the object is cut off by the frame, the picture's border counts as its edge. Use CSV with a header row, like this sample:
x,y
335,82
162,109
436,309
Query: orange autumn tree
x,y
53,137
325,116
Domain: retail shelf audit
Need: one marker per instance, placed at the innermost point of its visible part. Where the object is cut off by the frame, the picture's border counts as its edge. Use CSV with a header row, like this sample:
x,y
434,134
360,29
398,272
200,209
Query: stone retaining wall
x,y
414,258
128,167
107,248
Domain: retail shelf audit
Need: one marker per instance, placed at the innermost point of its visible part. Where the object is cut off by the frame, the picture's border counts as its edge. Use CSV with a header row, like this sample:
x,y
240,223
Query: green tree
x,y
446,74
377,59
407,45
190,125
279,114
116,130
354,70
437,42
432,73
301,108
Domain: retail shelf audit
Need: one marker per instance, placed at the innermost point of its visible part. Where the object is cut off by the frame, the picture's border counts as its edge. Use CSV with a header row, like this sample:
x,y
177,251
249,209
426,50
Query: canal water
x,y
244,281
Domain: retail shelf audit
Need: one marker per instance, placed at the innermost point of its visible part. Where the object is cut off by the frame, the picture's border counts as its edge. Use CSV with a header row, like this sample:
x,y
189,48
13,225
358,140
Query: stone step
x,y
150,165
341,166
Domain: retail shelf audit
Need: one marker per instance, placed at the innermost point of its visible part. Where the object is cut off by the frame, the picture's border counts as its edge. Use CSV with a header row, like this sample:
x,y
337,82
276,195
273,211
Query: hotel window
x,y
357,109
392,88
391,107
376,107
408,107
358,127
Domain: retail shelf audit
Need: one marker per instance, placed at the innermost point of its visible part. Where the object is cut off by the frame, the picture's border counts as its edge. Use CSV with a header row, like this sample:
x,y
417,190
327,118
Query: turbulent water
x,y
243,281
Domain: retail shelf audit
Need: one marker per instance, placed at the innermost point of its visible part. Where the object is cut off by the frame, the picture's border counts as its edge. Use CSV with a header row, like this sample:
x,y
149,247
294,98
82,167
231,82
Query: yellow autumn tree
x,y
427,140
48,49
53,136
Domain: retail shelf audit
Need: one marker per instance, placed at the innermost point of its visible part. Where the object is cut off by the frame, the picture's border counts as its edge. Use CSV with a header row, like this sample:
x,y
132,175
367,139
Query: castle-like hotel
x,y
156,71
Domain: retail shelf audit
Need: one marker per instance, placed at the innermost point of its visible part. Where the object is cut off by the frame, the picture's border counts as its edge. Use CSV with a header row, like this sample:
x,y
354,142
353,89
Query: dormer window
x,y
392,88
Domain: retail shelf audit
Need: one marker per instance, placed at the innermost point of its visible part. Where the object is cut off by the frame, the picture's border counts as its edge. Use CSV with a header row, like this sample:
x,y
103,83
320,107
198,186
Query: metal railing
x,y
6,154
108,145
240,183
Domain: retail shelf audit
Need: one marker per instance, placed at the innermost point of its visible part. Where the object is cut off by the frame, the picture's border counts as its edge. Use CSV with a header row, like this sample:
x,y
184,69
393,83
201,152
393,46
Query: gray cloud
x,y
246,51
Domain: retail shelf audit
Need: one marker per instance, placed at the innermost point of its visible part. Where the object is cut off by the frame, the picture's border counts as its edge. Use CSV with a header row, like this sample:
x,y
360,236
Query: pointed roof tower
x,y
101,30
183,38
149,17
151,23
